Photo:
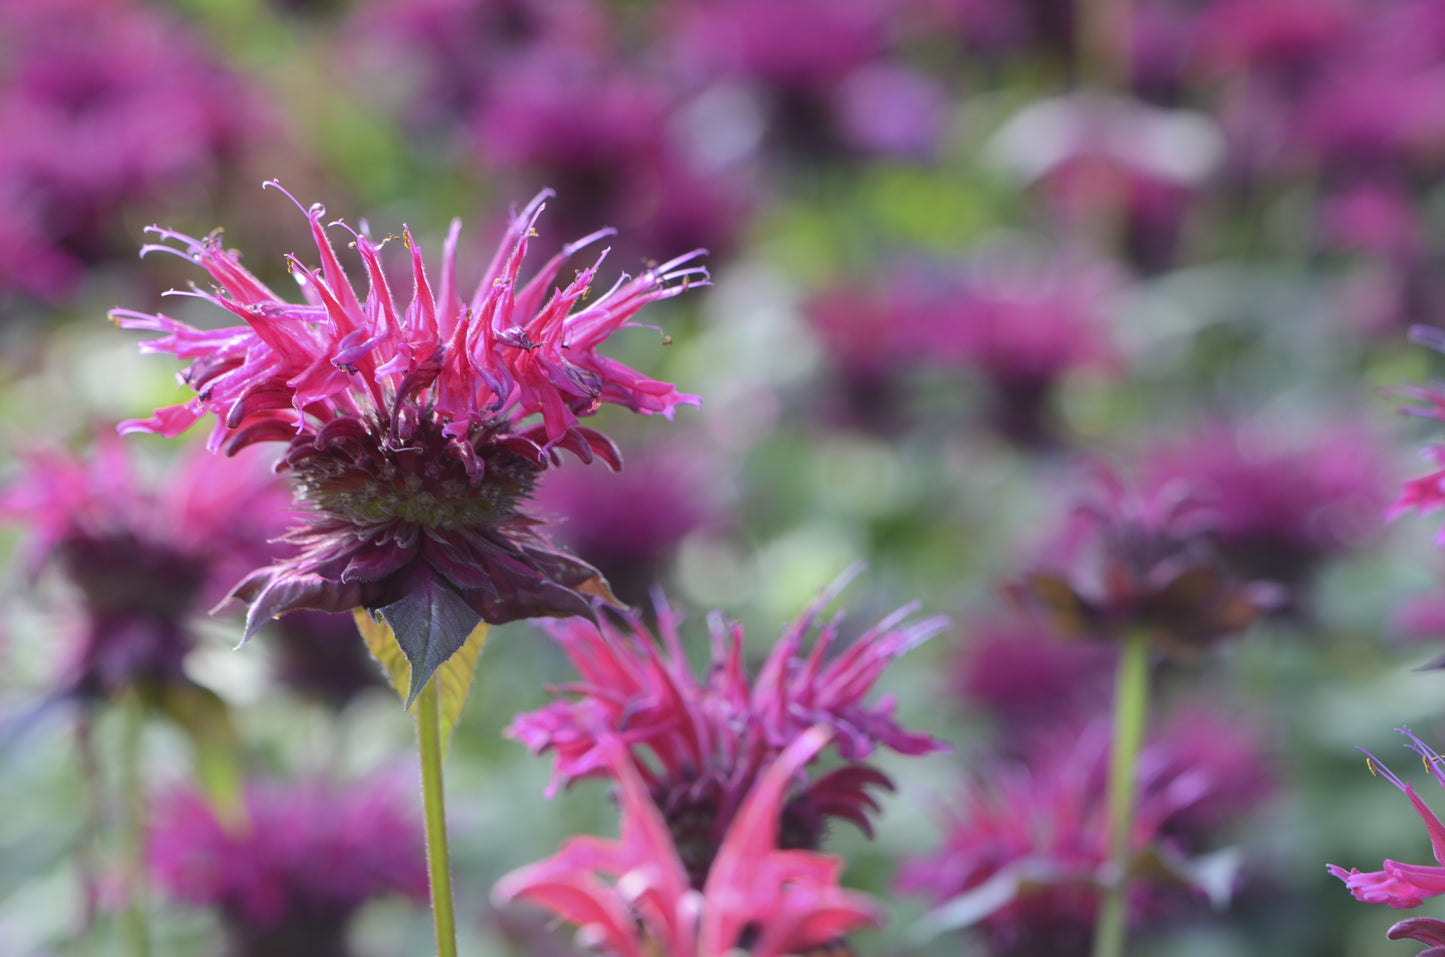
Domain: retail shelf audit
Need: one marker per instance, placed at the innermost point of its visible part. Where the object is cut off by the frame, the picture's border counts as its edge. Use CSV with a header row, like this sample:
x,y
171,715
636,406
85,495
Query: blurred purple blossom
x,y
1130,558
1282,500
1030,678
288,878
1027,842
630,523
105,103
144,557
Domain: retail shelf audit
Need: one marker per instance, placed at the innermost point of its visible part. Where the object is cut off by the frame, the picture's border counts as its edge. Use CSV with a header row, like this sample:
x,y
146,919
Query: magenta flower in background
x,y
867,330
415,435
1404,885
604,134
448,53
286,881
1282,501
144,558
105,103
1024,324
700,746
629,524
317,655
1031,679
1127,560
632,897
812,67
1112,159
1028,840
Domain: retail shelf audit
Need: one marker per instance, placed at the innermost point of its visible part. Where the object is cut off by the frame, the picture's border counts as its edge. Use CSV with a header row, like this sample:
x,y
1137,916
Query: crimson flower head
x,y
143,558
700,745
414,433
1404,885
632,897
288,880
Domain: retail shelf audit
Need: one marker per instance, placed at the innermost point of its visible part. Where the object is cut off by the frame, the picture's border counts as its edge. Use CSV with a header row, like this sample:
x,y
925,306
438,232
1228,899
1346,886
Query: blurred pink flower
x,y
145,558
288,879
104,102
602,133
1031,678
630,523
632,897
1281,500
409,431
1024,324
1139,558
1030,839
445,55
1404,885
700,746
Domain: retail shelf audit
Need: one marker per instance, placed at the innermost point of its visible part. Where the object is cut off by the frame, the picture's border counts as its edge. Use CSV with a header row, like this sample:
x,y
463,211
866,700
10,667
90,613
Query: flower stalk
x,y
1131,710
133,826
438,859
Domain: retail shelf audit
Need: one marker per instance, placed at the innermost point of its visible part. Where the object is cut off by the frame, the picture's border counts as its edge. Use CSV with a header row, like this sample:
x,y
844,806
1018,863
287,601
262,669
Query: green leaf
x,y
206,720
431,623
454,676
454,680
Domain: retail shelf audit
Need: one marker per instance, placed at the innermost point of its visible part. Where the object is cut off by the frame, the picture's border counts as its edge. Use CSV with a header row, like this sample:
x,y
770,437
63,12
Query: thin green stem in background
x,y
133,796
1131,709
438,861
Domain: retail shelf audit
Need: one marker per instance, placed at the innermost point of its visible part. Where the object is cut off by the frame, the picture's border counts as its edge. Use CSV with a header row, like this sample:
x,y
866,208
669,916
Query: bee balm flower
x,y
632,896
414,434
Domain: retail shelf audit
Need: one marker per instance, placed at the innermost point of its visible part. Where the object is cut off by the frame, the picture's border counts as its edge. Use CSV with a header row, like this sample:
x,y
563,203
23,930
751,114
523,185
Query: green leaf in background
x,y
206,721
454,677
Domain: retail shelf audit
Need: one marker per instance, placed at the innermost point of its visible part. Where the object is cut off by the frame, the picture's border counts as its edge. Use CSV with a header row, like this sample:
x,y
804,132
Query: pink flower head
x,y
144,557
308,856
700,746
1404,885
1030,840
414,434
632,897
104,102
1130,559
1281,502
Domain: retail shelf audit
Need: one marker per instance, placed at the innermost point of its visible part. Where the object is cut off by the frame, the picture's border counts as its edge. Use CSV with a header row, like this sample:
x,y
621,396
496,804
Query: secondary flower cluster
x,y
144,558
415,434
1026,844
288,879
1143,560
701,746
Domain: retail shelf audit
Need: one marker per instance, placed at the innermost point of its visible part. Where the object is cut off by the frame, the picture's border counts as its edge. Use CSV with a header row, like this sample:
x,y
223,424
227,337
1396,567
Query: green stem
x,y
133,797
1131,709
438,862
87,846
